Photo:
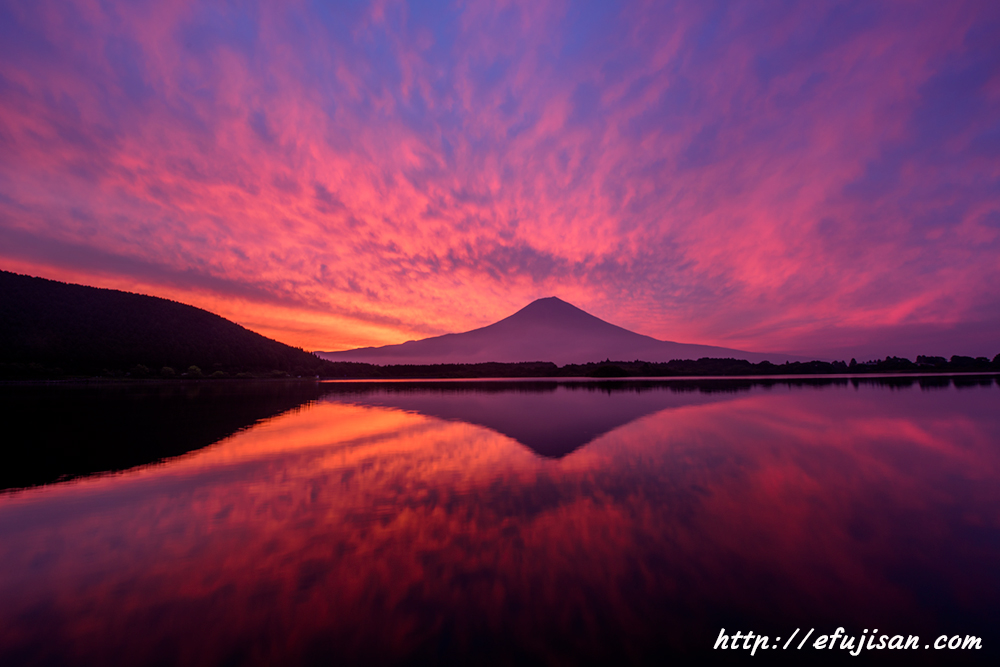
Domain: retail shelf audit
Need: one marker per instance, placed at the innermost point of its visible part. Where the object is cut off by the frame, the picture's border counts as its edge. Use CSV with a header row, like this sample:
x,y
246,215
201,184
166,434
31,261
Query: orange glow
x,y
378,175
369,526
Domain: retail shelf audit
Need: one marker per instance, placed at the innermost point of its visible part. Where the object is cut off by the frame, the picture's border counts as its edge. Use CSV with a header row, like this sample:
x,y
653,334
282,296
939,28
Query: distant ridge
x,y
548,329
52,328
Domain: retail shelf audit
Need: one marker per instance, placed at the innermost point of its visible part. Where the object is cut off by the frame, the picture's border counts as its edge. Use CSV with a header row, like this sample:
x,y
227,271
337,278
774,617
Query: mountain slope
x,y
47,325
545,330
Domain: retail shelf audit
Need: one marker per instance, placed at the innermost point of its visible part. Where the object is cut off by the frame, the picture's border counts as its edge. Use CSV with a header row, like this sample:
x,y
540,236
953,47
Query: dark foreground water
x,y
498,523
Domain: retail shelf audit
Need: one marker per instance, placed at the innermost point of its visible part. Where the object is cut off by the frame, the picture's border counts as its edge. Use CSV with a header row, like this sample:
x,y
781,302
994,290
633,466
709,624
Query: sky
x,y
813,177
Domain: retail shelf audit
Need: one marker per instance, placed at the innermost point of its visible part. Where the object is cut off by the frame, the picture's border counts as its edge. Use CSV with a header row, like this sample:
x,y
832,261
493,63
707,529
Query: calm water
x,y
507,523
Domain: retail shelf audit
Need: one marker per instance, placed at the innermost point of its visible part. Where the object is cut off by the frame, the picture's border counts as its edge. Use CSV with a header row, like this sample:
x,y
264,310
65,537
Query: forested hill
x,y
49,328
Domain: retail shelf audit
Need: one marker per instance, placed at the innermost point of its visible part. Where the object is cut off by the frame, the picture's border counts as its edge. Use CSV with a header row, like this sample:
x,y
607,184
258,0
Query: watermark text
x,y
841,641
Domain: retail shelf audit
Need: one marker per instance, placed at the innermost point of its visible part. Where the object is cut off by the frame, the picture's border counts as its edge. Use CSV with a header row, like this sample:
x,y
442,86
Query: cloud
x,y
697,172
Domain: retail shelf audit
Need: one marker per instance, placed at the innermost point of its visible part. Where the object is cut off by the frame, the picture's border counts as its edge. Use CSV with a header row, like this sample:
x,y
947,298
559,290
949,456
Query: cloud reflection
x,y
343,531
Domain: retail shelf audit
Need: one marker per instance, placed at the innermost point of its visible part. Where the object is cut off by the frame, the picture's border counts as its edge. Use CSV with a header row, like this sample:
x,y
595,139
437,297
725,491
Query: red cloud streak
x,y
821,178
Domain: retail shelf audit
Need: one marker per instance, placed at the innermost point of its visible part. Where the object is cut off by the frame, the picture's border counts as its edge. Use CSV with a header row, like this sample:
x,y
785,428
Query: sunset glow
x,y
365,526
820,178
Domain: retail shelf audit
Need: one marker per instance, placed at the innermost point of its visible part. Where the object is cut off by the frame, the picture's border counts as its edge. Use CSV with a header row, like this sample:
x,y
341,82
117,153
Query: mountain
x,y
51,328
545,330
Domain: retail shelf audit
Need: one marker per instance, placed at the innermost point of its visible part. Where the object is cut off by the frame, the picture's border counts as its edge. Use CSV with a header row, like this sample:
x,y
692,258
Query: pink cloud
x,y
753,178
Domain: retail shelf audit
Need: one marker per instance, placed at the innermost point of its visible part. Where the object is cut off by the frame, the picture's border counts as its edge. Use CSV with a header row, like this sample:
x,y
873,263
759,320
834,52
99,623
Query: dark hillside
x,y
51,328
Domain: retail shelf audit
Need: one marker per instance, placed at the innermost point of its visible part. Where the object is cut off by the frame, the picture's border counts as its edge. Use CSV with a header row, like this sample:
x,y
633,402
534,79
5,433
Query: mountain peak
x,y
552,310
549,302
547,329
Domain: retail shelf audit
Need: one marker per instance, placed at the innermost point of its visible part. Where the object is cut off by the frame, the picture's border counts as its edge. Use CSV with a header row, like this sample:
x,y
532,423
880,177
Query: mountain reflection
x,y
60,432
353,533
550,419
554,419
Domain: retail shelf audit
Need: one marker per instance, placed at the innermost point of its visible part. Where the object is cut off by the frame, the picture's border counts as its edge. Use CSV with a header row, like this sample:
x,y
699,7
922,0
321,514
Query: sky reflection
x,y
357,532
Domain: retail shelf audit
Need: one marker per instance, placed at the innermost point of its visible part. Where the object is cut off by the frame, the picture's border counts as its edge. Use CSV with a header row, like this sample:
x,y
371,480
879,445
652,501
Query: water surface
x,y
508,523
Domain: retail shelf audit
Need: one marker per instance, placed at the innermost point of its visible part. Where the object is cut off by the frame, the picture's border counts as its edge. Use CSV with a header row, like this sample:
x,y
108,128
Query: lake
x,y
478,522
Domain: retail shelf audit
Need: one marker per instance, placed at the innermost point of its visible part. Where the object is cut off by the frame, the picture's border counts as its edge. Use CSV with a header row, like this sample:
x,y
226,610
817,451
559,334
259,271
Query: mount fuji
x,y
545,330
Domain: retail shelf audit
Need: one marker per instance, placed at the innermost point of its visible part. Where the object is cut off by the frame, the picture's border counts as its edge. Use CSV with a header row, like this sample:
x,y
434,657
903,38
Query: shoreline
x,y
665,378
100,381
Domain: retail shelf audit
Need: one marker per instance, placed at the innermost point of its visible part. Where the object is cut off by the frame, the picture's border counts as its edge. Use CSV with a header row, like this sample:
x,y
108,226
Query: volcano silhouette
x,y
545,330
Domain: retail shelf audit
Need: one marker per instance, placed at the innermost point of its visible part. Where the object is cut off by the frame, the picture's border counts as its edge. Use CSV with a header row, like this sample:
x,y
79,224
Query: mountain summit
x,y
545,330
